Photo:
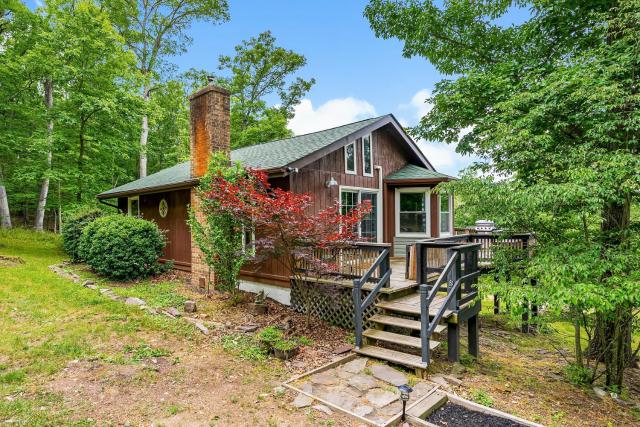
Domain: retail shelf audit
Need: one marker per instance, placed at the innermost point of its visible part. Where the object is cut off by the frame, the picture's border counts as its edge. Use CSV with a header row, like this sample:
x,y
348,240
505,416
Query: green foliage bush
x,y
72,230
122,247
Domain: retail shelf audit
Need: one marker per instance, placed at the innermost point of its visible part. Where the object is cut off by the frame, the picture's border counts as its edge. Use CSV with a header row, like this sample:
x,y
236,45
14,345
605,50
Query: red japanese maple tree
x,y
286,227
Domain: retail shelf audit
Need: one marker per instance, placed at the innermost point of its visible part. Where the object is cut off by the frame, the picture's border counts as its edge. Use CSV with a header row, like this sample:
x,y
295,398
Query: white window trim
x,y
129,200
427,200
355,159
370,153
251,244
378,201
450,233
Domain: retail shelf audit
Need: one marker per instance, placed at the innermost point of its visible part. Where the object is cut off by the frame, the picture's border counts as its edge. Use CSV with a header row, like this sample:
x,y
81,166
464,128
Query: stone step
x,y
400,339
401,322
392,356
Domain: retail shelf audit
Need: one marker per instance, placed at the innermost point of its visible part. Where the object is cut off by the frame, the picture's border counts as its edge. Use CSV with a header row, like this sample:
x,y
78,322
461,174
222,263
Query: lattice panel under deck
x,y
331,303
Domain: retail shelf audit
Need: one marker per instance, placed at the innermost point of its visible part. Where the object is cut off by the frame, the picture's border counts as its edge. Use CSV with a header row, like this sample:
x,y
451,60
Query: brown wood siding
x,y
175,224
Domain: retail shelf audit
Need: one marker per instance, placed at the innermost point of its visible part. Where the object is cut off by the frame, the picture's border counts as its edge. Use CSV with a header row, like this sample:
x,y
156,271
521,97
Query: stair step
x,y
402,323
404,307
400,339
392,356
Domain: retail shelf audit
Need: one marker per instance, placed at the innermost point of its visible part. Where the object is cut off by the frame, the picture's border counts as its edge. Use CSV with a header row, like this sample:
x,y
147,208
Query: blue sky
x,y
357,75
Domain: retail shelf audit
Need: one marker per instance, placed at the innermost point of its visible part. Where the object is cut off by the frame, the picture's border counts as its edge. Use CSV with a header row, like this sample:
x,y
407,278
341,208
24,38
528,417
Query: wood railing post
x,y
385,266
453,275
424,322
357,312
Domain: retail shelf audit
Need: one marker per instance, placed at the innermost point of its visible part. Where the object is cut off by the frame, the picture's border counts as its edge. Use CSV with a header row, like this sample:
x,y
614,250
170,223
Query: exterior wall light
x,y
331,182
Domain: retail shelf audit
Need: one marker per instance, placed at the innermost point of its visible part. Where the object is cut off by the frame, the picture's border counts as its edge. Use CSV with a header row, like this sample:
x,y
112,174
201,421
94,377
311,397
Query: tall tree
x,y
44,188
553,104
260,69
154,30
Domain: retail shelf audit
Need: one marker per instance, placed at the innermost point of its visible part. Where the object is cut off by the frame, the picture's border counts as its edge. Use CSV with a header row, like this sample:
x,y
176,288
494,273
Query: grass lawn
x,y
71,356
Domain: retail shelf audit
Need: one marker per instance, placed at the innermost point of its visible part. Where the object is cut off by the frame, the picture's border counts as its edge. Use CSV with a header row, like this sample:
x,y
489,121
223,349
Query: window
x,y
350,158
133,206
368,227
248,240
445,214
367,155
412,205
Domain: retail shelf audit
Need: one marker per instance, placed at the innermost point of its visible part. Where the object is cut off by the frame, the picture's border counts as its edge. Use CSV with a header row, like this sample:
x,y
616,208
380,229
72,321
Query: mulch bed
x,y
452,415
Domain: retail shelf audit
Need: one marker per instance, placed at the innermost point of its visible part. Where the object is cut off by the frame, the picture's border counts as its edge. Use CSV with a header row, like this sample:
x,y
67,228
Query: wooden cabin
x,y
372,159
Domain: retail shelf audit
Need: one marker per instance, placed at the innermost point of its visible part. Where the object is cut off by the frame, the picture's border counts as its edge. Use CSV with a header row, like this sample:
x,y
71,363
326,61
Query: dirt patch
x,y
10,261
203,386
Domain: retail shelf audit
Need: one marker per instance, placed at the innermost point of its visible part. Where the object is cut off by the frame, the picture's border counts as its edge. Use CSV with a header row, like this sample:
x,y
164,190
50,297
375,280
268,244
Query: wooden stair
x,y
401,312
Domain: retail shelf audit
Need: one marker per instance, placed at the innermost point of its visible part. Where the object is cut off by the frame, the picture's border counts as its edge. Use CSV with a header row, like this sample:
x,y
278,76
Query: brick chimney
x,y
209,131
209,127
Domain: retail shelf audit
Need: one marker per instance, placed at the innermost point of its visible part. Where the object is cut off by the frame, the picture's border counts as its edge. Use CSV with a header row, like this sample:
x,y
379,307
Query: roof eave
x,y
418,180
148,190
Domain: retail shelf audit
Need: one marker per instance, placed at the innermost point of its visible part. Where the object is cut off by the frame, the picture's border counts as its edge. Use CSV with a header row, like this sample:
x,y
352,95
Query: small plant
x,y
175,409
305,341
260,298
467,360
577,375
270,335
285,345
145,351
482,397
245,346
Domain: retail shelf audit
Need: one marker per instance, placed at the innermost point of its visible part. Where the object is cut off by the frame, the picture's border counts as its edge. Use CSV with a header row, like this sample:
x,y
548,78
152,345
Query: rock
x,y
248,328
105,291
172,312
452,380
345,348
134,301
362,410
340,399
391,409
324,379
389,374
190,306
302,401
323,408
439,380
599,392
279,390
420,390
198,325
355,366
380,398
88,283
363,382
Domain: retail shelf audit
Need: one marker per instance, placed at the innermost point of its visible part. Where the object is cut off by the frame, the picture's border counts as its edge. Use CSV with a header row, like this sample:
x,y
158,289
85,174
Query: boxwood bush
x,y
72,230
122,247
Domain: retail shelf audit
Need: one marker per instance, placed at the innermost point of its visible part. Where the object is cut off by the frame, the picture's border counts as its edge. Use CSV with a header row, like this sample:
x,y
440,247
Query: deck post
x,y
473,336
453,342
357,312
419,258
424,322
385,266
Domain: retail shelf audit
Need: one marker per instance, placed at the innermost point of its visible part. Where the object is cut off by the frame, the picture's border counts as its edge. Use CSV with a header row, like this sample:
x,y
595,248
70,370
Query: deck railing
x,y
381,265
349,263
460,270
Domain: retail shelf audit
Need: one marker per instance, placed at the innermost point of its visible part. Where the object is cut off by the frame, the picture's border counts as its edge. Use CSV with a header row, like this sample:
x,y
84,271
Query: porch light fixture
x,y
331,182
405,391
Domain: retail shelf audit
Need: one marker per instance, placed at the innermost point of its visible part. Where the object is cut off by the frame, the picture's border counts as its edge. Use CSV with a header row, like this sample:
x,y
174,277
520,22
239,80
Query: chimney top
x,y
207,89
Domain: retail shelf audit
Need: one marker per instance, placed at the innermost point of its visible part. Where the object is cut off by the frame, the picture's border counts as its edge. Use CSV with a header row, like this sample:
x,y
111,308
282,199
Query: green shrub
x,y
122,247
72,231
577,375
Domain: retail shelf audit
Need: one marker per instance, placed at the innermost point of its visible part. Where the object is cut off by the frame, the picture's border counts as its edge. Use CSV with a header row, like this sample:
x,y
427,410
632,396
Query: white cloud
x,y
417,107
332,113
39,3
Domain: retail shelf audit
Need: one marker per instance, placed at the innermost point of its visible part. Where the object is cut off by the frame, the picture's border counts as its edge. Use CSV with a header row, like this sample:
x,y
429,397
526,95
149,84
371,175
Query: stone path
x,y
361,386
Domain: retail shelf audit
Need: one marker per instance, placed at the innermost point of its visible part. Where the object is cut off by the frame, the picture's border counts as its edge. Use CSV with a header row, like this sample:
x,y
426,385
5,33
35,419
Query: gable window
x,y
133,206
349,198
350,158
446,222
367,155
412,205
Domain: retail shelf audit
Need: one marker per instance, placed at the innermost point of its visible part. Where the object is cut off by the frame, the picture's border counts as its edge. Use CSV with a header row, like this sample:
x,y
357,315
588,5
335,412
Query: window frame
x,y
129,200
355,159
379,206
252,243
427,201
450,212
370,138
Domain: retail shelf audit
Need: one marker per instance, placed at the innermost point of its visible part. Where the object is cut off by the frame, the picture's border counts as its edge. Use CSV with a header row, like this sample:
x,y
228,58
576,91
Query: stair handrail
x,y
426,298
382,261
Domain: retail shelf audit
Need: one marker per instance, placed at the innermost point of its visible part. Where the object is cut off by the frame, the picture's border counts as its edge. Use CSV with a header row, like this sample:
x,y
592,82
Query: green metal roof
x,y
268,155
415,172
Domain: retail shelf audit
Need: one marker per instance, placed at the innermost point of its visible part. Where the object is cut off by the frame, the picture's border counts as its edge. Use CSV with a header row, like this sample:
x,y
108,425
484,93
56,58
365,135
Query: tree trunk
x,y
612,341
577,335
5,214
144,134
44,189
59,209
